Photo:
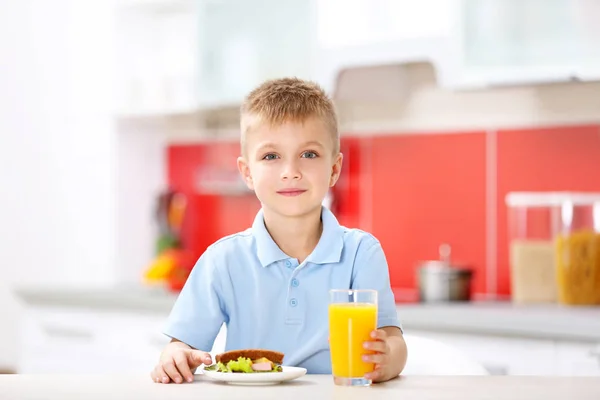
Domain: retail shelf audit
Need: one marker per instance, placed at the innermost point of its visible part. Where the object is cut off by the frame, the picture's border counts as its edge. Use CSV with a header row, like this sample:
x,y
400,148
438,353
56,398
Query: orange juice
x,y
350,325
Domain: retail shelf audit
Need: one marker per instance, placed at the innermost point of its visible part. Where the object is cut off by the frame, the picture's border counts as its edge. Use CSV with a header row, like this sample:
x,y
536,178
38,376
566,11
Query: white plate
x,y
262,378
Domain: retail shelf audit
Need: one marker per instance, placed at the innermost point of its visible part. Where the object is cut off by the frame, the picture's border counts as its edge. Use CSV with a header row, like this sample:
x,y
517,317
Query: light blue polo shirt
x,y
268,300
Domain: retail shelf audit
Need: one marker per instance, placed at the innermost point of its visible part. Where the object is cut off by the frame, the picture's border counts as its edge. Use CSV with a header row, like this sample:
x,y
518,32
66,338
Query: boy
x,y
270,283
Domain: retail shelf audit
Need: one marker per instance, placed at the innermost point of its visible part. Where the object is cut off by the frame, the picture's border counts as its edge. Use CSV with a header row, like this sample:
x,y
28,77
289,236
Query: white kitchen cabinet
x,y
471,43
243,43
523,42
82,341
72,340
578,359
383,32
148,5
368,22
524,356
156,57
179,56
502,355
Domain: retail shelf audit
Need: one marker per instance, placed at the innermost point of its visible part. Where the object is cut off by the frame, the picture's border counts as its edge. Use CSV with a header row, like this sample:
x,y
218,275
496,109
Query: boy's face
x,y
290,166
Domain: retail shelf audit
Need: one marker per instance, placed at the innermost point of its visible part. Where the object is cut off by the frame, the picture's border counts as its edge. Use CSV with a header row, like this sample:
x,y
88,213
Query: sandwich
x,y
248,361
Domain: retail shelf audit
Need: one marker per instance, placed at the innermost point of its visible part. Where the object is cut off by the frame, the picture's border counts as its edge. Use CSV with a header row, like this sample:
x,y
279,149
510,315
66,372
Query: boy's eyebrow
x,y
270,145
267,145
313,143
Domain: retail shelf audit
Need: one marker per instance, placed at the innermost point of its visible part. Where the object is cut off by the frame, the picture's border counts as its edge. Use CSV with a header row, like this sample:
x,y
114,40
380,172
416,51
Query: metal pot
x,y
442,281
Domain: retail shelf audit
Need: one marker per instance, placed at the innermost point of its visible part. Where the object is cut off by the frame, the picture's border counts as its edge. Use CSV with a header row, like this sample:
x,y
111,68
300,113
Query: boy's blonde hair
x,y
288,100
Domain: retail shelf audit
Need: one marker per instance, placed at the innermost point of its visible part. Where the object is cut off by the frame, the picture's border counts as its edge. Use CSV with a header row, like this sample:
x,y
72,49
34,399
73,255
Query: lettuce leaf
x,y
277,368
243,365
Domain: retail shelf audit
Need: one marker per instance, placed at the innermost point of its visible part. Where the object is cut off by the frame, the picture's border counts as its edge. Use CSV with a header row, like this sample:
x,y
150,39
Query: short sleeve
x,y
371,272
198,312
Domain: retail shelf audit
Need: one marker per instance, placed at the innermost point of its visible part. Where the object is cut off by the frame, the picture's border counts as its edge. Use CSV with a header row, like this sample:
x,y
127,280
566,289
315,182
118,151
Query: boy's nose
x,y
291,171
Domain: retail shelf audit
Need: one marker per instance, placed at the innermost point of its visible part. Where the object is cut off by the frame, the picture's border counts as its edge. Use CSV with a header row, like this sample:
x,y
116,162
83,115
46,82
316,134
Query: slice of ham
x,y
262,366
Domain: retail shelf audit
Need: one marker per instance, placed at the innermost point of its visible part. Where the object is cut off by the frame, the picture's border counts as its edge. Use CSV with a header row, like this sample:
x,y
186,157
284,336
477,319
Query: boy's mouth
x,y
291,192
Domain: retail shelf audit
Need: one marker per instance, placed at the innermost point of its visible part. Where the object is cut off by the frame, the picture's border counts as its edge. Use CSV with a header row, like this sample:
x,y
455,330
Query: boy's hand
x,y
178,362
380,356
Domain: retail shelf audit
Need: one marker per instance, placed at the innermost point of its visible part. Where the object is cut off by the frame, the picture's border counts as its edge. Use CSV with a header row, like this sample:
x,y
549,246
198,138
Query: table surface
x,y
113,387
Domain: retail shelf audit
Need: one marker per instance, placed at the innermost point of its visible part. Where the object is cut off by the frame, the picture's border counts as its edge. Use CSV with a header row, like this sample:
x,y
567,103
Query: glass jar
x,y
554,245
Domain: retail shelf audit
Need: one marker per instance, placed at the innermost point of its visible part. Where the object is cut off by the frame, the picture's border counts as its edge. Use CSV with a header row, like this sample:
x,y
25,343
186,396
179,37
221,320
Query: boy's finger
x,y
377,358
160,375
375,375
379,334
155,375
172,372
377,346
197,358
183,367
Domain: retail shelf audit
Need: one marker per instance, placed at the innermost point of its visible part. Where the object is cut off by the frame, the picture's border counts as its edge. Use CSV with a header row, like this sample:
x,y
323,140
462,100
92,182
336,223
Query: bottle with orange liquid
x,y
352,318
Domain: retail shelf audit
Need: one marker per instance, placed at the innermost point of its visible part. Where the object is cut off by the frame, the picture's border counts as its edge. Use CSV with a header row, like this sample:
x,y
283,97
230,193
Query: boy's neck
x,y
298,236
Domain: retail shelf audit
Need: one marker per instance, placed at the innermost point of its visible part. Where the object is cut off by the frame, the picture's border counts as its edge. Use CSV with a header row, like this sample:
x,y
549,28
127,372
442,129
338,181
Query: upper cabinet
x,y
177,56
363,33
184,55
343,23
471,43
523,42
243,43
156,57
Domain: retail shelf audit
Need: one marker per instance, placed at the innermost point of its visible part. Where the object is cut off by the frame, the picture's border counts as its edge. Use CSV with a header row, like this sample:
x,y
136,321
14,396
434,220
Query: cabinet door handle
x,y
64,332
595,353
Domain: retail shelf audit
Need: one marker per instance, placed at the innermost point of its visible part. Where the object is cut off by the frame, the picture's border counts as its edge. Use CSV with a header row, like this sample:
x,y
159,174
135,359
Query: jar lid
x,y
435,266
444,264
546,199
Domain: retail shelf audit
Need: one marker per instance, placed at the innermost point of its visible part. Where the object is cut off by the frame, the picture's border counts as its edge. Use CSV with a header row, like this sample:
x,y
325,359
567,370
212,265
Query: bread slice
x,y
253,354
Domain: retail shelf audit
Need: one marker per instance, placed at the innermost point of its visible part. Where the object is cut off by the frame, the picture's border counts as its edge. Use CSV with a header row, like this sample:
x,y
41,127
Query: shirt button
x,y
288,263
295,282
293,302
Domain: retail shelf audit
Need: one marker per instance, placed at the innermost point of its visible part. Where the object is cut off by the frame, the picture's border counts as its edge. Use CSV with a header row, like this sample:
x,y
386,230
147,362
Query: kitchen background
x,y
118,136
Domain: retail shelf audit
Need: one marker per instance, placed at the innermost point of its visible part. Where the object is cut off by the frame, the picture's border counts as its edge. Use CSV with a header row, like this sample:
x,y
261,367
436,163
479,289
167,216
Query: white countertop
x,y
544,321
122,298
541,321
115,387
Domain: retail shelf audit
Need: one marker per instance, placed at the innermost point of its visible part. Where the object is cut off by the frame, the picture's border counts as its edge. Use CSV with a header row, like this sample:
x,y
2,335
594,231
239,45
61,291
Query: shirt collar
x,y
328,249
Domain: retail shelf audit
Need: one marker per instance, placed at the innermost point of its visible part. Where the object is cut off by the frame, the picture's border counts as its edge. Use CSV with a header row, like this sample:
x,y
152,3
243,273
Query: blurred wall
x,y
57,150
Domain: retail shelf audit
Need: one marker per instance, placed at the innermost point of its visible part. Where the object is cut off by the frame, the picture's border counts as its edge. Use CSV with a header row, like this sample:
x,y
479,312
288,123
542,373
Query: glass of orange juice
x,y
352,318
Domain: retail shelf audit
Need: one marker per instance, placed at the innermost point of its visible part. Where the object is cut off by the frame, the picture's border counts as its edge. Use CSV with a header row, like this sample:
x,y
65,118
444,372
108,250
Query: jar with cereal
x,y
554,245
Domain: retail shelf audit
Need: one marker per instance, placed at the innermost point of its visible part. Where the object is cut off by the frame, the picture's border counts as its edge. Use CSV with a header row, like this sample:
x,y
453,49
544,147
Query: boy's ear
x,y
244,169
336,169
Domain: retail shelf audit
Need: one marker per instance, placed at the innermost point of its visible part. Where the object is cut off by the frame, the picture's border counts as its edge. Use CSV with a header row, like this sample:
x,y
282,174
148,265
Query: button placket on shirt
x,y
294,306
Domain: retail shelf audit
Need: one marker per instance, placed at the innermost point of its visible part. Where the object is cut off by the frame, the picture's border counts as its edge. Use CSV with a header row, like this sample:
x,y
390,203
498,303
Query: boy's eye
x,y
309,154
270,156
